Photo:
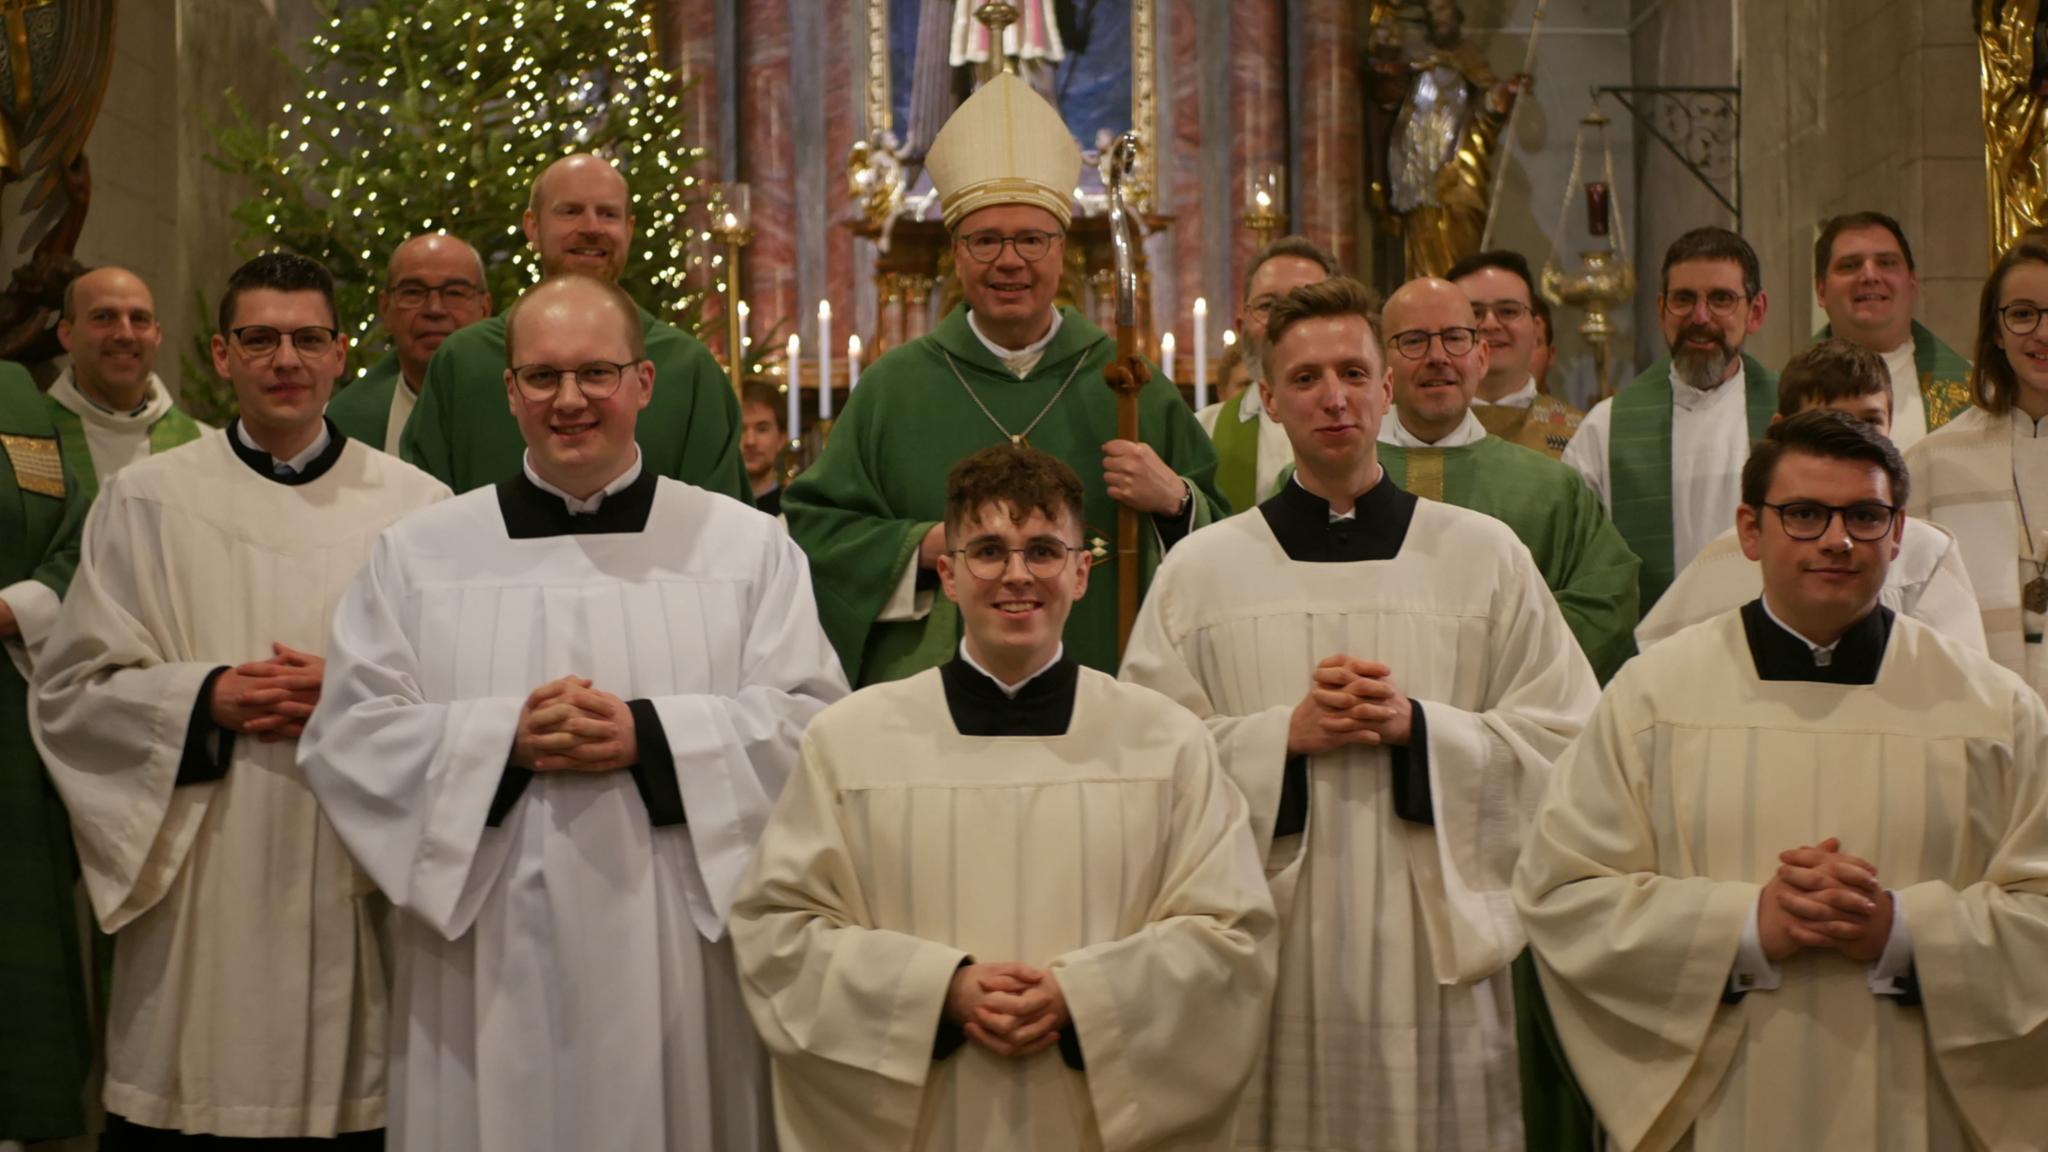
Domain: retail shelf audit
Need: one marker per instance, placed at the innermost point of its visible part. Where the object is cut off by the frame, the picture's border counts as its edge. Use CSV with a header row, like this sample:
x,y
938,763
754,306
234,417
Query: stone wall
x,y
1870,104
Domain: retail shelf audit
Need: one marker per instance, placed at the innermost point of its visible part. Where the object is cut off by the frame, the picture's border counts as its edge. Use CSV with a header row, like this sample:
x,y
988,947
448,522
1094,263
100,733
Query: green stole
x,y
1237,456
170,430
1944,375
1639,464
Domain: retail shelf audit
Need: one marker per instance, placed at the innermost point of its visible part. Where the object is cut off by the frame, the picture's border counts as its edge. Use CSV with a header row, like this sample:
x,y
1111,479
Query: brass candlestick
x,y
732,224
1265,201
996,16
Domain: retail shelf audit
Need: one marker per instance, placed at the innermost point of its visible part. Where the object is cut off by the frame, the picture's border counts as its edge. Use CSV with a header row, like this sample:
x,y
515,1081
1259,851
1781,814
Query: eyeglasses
x,y
2020,319
1414,344
987,247
597,379
990,559
1720,302
1506,311
412,294
258,341
1809,519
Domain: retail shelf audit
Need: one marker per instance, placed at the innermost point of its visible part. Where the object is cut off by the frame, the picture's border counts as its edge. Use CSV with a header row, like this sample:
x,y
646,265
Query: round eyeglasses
x,y
1414,344
2020,319
987,247
990,559
1809,519
597,380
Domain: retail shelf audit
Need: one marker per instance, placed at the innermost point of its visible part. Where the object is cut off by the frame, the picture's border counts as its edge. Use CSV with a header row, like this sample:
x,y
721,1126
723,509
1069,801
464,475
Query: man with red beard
x,y
1666,452
433,287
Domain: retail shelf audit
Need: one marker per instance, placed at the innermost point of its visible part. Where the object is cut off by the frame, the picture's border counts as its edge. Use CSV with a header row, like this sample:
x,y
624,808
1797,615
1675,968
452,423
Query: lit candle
x,y
1265,202
795,372
852,363
1229,338
824,359
745,312
1201,352
1166,355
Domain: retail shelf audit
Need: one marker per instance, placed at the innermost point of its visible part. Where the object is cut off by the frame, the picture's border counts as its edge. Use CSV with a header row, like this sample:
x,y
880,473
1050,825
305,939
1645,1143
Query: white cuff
x,y
1898,954
35,610
908,601
1753,971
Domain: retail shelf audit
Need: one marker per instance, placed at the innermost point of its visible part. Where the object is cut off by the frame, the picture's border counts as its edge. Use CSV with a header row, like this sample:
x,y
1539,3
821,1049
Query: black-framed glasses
x,y
1505,311
1809,519
260,340
1414,343
2020,319
989,559
987,247
1720,302
411,294
597,379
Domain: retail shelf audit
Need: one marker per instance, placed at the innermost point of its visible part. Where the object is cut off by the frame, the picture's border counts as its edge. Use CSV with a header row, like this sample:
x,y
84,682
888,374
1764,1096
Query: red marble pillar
x,y
1181,166
767,154
689,51
1330,184
1258,127
843,41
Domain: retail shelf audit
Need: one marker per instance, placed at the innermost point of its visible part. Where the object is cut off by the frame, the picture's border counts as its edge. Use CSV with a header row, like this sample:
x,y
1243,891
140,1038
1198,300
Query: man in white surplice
x,y
248,996
1009,904
559,712
1790,887
1390,703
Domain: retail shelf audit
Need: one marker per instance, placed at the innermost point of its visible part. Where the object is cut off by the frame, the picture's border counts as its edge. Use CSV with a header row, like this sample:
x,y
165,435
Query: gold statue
x,y
1433,138
2010,45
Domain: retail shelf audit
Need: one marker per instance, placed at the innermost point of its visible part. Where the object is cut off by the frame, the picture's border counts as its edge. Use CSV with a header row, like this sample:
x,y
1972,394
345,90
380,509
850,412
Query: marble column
x,y
689,50
1180,167
767,162
1328,187
844,43
1258,128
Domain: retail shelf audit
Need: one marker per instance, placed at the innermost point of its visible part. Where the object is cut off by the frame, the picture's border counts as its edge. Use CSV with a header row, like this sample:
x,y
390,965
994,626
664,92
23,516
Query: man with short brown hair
x,y
1515,324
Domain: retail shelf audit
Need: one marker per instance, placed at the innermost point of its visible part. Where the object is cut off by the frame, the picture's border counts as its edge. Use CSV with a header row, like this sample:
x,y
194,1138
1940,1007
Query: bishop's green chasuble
x,y
463,432
862,509
1587,565
49,1043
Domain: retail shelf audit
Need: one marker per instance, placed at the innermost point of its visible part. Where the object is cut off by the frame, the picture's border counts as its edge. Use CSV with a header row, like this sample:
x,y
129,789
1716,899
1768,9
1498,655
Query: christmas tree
x,y
435,115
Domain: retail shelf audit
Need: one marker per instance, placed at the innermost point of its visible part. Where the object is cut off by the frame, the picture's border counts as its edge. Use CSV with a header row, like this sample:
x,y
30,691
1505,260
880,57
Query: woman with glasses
x,y
1984,475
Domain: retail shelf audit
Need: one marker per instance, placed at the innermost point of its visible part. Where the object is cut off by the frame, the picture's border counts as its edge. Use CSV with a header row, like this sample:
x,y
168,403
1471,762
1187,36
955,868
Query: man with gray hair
x,y
433,287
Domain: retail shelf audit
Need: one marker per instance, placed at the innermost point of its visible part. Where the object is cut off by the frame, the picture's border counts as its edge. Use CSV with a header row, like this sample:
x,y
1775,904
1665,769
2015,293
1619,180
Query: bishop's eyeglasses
x,y
989,559
987,247
1809,519
597,380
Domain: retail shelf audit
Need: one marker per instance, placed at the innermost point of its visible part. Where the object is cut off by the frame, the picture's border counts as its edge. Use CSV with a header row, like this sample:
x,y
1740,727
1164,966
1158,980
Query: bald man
x,y
433,287
563,824
579,219
109,406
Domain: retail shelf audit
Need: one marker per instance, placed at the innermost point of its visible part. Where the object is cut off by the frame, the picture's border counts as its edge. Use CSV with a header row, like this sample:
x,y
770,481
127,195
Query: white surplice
x,y
564,981
1664,822
249,987
1115,854
1928,581
1392,1025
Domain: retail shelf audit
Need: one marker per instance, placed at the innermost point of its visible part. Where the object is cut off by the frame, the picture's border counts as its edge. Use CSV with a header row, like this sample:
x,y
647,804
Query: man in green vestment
x,y
1865,279
1251,447
109,407
1666,452
579,219
1006,365
433,287
1435,447
49,1043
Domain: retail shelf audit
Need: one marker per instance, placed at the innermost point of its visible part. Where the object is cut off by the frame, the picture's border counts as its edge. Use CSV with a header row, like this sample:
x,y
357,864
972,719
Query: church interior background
x,y
1257,117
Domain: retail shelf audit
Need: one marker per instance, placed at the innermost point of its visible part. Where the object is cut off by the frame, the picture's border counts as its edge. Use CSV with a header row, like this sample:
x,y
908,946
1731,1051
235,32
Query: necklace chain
x,y
1014,437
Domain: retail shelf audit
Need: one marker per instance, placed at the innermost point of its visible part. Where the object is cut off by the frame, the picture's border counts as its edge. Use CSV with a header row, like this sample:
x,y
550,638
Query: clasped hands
x,y
1823,897
568,726
1349,701
1010,1009
269,699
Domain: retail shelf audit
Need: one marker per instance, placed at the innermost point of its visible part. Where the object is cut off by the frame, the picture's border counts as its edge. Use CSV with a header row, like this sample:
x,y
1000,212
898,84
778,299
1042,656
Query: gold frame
x,y
1144,88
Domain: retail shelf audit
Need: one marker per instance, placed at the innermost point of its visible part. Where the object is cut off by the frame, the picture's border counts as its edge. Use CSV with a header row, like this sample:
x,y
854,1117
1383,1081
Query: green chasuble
x,y
464,435
363,409
1944,375
862,509
49,1043
1584,560
171,429
1237,457
1639,464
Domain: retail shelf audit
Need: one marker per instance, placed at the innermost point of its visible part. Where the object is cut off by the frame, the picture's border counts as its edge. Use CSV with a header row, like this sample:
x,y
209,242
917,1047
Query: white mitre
x,y
1004,145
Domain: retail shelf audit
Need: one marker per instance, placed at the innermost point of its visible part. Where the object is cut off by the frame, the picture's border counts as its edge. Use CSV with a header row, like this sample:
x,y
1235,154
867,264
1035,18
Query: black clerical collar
x,y
1044,706
532,512
1300,520
265,465
1781,654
